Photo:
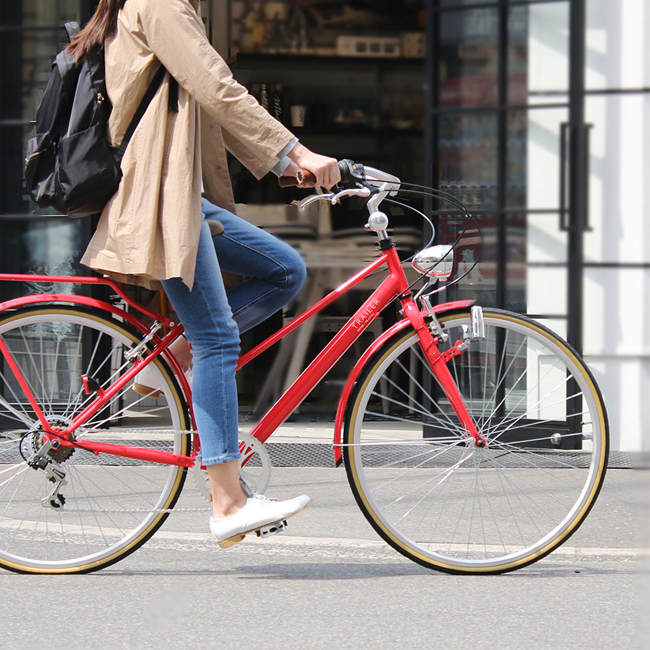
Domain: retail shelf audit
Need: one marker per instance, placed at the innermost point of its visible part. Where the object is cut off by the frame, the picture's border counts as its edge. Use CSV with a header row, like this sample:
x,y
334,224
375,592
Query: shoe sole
x,y
235,539
146,391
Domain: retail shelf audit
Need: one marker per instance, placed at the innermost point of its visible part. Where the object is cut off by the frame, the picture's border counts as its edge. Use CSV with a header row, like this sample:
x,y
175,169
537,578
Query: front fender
x,y
376,345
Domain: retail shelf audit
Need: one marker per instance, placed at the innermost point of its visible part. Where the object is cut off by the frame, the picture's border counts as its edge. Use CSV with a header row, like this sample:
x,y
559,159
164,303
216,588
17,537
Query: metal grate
x,y
291,454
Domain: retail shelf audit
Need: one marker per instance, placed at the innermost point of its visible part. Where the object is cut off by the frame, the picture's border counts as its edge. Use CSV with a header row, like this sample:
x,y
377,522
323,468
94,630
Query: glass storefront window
x,y
462,3
31,36
516,263
542,140
478,283
533,158
468,158
50,13
538,53
469,57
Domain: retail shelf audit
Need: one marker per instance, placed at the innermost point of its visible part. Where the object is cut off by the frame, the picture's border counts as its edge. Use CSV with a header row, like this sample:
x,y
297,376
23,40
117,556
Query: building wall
x,y
617,250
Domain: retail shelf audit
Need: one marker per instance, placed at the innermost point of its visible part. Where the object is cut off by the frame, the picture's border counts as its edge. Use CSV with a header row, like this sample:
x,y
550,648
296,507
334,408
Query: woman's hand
x,y
324,168
292,170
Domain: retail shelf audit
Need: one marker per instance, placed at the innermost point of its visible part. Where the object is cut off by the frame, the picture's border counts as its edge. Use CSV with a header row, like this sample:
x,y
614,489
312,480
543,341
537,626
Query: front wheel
x,y
447,504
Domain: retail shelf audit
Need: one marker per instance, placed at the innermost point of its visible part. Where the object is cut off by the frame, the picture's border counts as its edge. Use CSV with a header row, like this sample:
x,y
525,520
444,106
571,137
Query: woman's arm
x,y
174,33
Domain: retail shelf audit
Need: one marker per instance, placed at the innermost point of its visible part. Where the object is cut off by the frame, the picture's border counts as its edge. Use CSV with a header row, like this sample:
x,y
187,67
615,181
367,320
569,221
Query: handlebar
x,y
351,173
361,181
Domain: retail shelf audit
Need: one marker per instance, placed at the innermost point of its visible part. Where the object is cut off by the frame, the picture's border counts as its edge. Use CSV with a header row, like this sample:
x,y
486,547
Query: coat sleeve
x,y
174,32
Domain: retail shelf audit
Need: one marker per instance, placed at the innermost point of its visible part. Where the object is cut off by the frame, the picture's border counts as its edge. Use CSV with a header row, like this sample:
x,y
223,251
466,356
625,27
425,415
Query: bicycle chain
x,y
140,510
131,510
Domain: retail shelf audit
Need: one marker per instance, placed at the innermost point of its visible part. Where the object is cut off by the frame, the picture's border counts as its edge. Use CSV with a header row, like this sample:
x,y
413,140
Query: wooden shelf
x,y
354,130
275,59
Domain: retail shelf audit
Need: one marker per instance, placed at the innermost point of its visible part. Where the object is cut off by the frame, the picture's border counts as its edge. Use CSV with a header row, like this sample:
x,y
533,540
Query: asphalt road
x,y
330,582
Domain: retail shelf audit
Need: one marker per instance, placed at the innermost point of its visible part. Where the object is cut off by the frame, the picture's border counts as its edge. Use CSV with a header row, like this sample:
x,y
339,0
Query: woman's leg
x,y
213,334
275,271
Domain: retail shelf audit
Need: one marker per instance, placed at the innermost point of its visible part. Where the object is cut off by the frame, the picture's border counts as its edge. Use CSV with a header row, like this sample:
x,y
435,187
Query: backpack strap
x,y
172,104
72,29
144,104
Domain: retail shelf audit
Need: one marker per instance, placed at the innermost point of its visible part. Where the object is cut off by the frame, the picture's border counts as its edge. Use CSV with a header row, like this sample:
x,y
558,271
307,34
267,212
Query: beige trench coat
x,y
149,230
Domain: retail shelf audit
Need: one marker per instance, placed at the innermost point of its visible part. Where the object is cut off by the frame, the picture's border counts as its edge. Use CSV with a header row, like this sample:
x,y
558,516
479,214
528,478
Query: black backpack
x,y
70,165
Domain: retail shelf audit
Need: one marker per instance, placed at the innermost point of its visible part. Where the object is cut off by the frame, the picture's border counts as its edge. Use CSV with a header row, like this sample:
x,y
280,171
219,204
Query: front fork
x,y
430,335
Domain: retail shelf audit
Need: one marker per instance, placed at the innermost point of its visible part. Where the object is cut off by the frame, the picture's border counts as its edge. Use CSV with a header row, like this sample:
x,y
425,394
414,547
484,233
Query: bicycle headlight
x,y
435,261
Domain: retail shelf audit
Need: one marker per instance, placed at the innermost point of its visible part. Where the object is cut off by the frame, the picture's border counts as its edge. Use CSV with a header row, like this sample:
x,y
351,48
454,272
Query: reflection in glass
x,y
480,282
461,3
468,158
26,59
50,13
518,55
516,263
469,57
516,159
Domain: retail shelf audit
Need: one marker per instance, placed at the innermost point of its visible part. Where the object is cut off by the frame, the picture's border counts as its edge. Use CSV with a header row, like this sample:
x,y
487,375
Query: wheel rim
x,y
443,501
112,504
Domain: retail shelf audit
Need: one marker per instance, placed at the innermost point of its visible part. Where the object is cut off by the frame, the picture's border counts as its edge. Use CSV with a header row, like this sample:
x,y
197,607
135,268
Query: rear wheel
x,y
110,505
435,496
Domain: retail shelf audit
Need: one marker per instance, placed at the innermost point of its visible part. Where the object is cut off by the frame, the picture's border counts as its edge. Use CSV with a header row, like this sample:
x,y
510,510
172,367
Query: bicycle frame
x,y
393,286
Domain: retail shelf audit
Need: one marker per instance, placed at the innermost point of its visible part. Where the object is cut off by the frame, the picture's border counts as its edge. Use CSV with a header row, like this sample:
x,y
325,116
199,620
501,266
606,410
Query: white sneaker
x,y
258,512
148,383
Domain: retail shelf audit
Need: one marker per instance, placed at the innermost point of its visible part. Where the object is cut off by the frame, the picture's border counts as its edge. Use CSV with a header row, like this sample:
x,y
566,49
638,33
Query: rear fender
x,y
458,305
64,299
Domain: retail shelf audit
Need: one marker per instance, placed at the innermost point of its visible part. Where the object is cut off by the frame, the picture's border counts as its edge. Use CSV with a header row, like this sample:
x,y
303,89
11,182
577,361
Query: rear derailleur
x,y
54,473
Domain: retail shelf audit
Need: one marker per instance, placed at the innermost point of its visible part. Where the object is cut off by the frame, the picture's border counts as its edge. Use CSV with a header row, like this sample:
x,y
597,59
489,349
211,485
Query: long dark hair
x,y
97,30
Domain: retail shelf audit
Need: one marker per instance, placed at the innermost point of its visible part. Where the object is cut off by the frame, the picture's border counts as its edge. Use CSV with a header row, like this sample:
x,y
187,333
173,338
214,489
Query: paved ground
x,y
331,583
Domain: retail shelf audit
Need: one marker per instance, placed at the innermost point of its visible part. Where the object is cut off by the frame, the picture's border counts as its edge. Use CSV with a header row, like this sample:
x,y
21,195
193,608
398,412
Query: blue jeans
x,y
214,319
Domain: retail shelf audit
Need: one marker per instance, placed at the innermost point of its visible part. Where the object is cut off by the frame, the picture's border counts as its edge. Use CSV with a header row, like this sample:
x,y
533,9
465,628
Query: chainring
x,y
256,473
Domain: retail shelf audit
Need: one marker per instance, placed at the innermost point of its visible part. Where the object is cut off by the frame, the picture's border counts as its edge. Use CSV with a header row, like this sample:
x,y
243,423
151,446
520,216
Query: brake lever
x,y
313,198
363,192
333,198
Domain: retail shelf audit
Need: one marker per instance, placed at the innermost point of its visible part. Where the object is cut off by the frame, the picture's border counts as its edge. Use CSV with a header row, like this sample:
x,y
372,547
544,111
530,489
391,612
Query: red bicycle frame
x,y
393,286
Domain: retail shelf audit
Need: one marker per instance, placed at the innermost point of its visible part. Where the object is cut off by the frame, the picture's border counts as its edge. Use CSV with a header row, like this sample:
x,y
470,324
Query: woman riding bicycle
x,y
153,232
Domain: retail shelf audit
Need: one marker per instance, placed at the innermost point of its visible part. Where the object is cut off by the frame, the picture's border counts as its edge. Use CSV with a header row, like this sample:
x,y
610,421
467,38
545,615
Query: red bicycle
x,y
474,440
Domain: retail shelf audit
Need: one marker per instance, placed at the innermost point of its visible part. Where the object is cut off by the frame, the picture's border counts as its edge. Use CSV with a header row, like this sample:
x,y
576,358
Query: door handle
x,y
577,175
564,132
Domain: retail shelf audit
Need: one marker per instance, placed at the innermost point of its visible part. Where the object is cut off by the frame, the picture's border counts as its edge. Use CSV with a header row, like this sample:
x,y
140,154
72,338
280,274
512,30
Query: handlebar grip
x,y
307,177
300,178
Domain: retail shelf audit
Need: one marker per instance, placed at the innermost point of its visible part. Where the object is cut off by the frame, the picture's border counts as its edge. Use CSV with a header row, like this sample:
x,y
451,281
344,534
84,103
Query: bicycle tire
x,y
112,505
436,497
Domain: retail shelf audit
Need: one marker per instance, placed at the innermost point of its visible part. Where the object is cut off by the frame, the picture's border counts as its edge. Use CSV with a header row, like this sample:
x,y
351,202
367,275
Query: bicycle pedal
x,y
227,543
272,529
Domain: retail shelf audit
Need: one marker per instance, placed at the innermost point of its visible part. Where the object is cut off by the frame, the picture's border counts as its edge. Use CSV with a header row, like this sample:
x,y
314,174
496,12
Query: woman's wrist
x,y
298,153
324,168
